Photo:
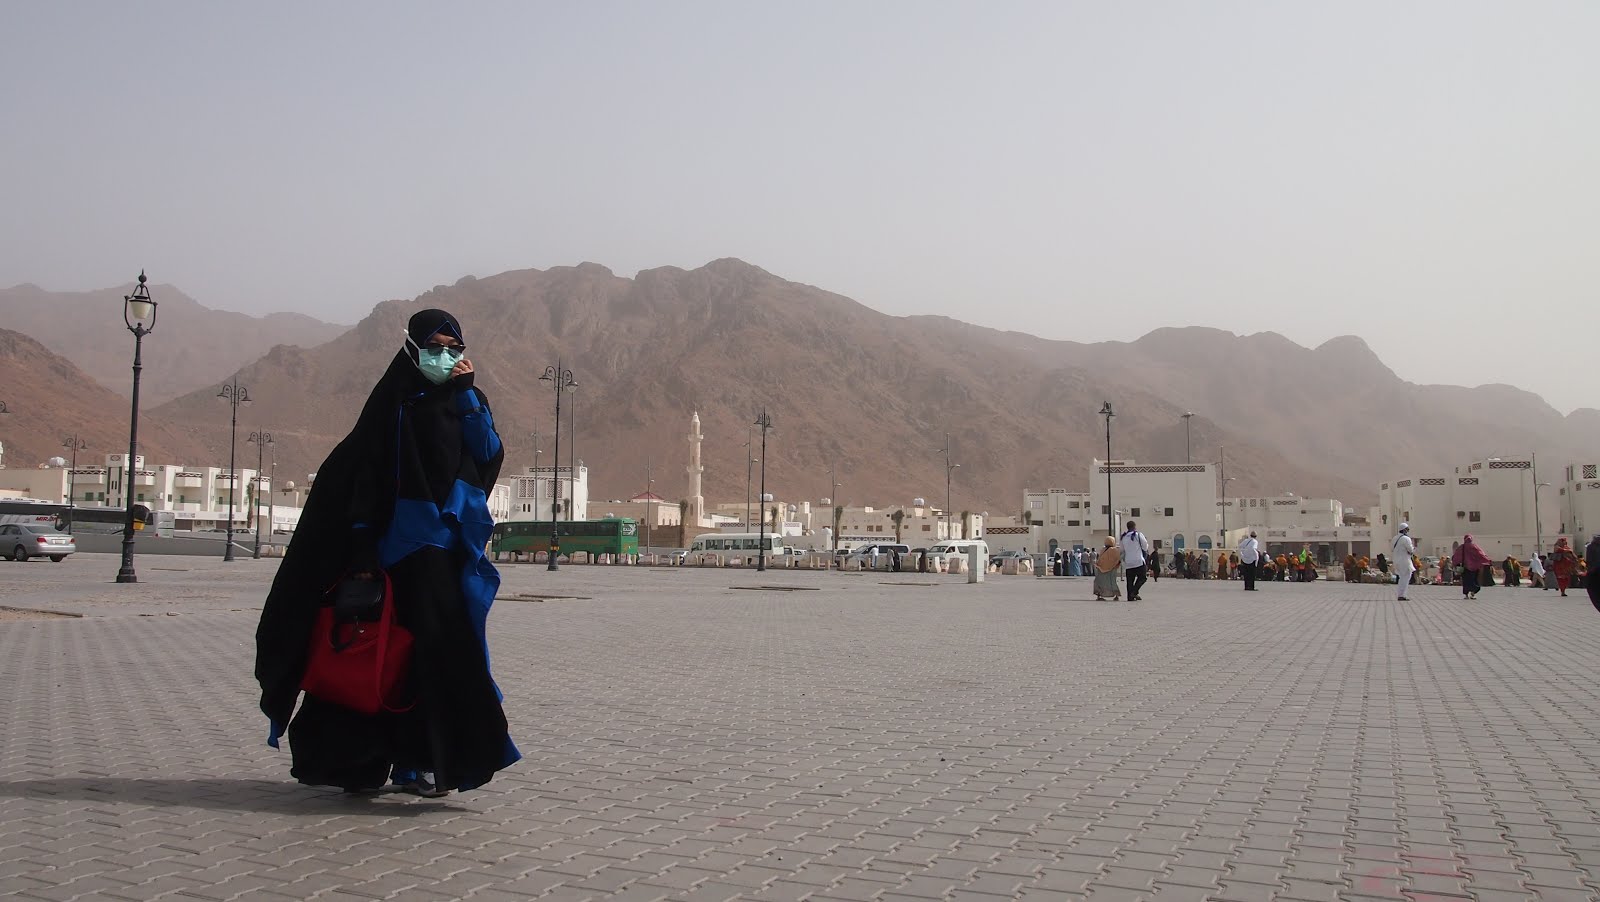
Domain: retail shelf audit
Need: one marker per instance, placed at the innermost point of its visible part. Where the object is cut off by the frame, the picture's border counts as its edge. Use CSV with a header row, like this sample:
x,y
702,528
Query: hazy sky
x,y
1425,175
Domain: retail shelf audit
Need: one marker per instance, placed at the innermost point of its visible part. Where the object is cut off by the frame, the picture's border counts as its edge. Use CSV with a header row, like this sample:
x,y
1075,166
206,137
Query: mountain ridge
x,y
874,393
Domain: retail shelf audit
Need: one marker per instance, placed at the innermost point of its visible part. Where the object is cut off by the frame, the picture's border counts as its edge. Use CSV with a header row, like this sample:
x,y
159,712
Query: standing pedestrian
x,y
1105,572
1562,564
1471,558
1135,548
1155,565
402,500
1249,556
1536,571
1402,550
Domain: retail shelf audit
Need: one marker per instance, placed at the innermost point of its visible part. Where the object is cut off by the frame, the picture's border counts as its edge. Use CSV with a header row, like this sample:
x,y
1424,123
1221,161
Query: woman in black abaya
x,y
405,492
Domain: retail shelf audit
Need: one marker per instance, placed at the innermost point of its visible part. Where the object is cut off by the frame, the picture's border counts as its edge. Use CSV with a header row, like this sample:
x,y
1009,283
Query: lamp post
x,y
1538,524
949,468
234,395
559,379
73,444
1222,473
649,499
572,453
764,422
1187,457
749,468
1106,411
261,440
139,315
272,487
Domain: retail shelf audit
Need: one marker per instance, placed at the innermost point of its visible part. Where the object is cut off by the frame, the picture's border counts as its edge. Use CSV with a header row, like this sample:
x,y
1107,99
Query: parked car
x,y
20,541
864,553
997,560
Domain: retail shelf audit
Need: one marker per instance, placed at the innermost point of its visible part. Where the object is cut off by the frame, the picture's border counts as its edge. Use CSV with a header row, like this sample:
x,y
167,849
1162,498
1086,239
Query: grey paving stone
x,y
685,740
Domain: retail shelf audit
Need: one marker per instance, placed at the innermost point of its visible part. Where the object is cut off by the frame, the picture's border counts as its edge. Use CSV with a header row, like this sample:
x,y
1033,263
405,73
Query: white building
x,y
535,490
1493,499
645,507
919,525
1287,511
1577,500
1175,505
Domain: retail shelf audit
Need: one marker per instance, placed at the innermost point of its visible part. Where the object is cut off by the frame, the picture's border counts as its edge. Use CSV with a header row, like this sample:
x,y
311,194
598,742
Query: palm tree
x,y
774,517
966,524
838,518
899,517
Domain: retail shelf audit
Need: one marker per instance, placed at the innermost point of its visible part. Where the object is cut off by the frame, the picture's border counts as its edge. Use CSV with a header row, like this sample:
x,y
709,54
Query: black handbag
x,y
355,601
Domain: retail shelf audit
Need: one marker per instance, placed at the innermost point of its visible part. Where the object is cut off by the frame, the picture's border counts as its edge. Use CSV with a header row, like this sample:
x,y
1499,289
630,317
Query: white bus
x,y
737,544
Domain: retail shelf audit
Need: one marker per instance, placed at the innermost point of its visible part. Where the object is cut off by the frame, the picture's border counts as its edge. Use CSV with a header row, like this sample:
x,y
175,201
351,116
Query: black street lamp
x,y
1111,527
73,444
139,314
261,440
234,395
764,423
649,498
559,379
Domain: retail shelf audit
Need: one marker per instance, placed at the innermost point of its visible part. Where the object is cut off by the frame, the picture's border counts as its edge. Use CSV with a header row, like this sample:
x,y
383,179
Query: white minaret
x,y
697,501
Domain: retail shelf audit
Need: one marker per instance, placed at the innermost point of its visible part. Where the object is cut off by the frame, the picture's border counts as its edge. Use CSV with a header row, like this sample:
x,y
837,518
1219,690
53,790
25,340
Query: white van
x,y
737,544
958,548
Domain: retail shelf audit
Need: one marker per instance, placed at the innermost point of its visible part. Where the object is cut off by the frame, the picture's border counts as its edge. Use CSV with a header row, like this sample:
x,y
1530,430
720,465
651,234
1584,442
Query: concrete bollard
x,y
956,565
975,566
541,557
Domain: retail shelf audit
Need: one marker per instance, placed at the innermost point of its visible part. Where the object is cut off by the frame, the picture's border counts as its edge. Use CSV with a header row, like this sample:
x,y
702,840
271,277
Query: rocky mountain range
x,y
871,396
198,345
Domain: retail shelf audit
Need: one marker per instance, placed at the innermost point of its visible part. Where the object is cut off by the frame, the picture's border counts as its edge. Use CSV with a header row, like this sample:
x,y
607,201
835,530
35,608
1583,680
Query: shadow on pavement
x,y
223,795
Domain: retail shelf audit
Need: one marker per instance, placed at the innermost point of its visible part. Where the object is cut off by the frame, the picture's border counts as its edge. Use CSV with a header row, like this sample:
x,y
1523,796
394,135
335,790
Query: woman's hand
x,y
461,369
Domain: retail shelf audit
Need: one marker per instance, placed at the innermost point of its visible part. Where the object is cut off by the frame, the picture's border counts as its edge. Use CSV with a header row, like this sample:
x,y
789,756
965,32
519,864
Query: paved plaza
x,y
689,735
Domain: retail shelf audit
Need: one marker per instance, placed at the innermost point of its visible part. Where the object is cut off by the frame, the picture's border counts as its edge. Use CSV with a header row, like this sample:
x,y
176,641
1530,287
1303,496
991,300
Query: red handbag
x,y
358,662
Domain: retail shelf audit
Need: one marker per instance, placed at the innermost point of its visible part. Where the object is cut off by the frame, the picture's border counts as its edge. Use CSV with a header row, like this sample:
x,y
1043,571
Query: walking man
x,y
1249,558
1403,549
1135,548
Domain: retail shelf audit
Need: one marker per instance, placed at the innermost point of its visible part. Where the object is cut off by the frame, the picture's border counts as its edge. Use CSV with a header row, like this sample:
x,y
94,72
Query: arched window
x,y
1205,543
1177,542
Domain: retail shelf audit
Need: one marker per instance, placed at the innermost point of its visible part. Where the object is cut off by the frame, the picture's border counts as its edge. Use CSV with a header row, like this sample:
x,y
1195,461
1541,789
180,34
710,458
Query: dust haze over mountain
x,y
867,393
1421,175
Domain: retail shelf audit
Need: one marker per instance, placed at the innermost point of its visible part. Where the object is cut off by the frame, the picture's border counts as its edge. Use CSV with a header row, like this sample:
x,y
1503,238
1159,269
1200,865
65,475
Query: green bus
x,y
613,535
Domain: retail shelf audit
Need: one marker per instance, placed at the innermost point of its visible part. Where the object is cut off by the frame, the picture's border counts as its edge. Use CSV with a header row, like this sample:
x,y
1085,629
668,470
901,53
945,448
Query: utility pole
x,y
1187,457
765,422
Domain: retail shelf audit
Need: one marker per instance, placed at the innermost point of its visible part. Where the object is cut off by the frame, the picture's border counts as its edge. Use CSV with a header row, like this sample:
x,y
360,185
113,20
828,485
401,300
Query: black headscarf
x,y
385,457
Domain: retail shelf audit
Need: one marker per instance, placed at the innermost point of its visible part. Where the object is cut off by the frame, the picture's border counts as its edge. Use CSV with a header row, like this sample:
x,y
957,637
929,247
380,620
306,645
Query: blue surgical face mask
x,y
436,363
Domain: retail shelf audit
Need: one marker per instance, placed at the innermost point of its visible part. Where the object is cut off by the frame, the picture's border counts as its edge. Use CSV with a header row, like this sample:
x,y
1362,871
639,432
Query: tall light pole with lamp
x,y
949,470
764,423
261,440
1108,413
235,395
1186,417
73,444
561,380
139,314
1538,525
749,469
649,500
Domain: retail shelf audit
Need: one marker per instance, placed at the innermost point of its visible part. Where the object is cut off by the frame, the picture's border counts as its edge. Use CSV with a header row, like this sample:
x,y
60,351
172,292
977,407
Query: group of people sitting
x,y
1299,567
